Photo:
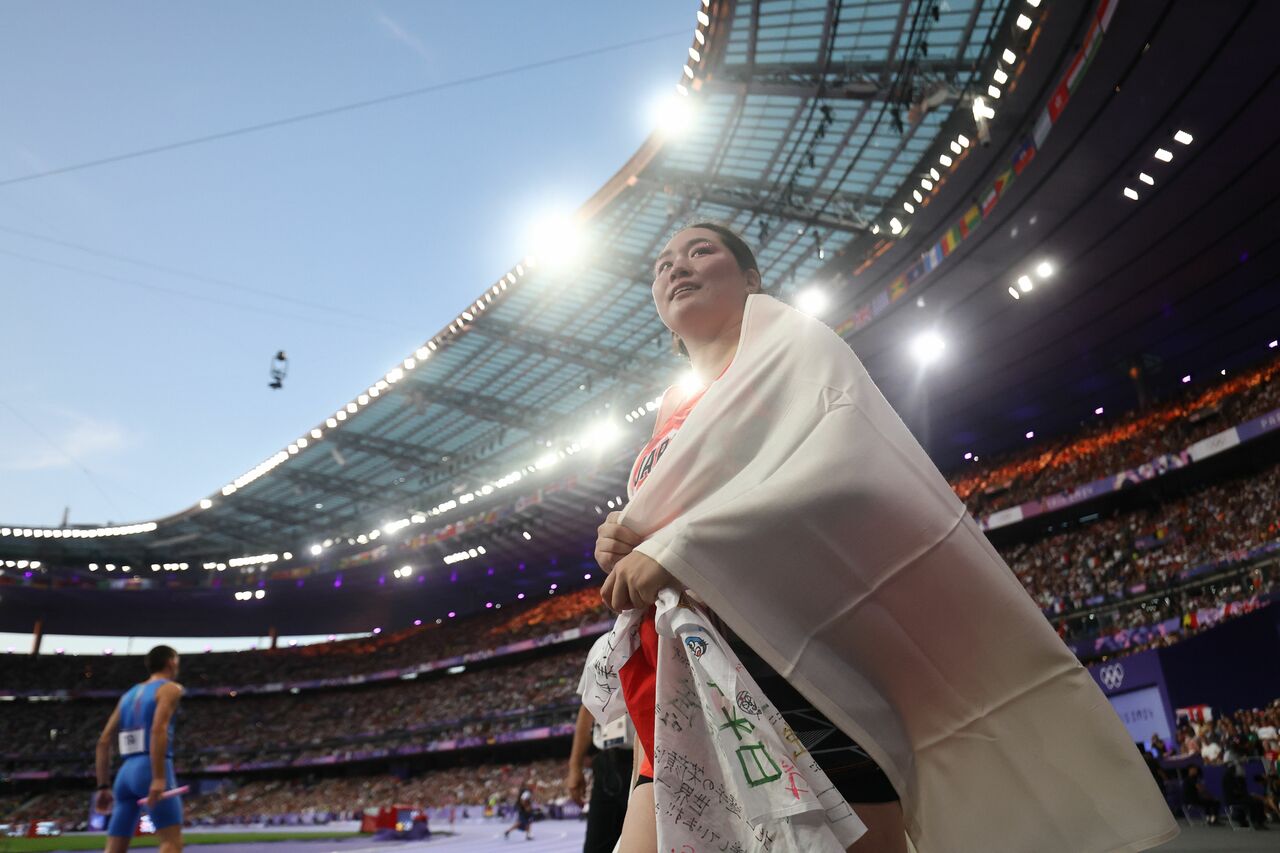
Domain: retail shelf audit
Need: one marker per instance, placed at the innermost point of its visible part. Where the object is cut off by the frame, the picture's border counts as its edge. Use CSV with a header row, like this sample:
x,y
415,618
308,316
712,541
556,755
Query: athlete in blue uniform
x,y
142,724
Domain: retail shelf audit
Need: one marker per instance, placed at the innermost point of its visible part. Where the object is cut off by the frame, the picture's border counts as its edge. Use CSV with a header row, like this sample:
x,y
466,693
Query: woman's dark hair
x,y
159,657
737,247
733,242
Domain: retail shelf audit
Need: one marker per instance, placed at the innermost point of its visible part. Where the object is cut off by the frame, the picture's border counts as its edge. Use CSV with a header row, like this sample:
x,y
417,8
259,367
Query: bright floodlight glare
x,y
1146,179
1186,379
1008,56
812,301
1031,433
981,110
604,434
994,92
1044,269
690,382
1164,154
1024,283
557,239
673,115
1183,137
1273,344
1013,291
315,550
1130,192
895,226
945,159
908,207
1098,411
205,503
1023,22
1000,76
927,348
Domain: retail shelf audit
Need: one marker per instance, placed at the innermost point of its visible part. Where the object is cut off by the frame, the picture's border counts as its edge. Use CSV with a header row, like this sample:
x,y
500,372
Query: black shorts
x,y
854,773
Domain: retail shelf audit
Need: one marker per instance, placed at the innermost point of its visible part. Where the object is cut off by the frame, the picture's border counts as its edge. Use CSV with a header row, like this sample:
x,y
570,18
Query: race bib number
x,y
132,741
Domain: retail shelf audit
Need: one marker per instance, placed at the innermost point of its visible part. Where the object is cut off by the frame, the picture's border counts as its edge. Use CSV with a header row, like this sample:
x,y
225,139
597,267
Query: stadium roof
x,y
841,139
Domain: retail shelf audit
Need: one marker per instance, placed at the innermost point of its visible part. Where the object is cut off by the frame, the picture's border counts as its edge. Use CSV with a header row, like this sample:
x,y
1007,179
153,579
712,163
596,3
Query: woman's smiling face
x,y
698,287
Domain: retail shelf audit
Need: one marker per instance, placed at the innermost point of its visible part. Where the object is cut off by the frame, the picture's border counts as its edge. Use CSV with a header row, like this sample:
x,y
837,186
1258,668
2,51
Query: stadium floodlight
x,y
557,239
259,594
1273,344
812,301
1098,410
895,226
546,460
933,173
1023,22
1031,433
673,116
1034,4
205,503
1008,57
955,146
1013,291
1000,76
527,535
981,110
962,139
1146,179
927,347
1024,283
1186,379
316,550
1044,269
994,92
603,434
945,159
694,55
916,195
1130,192
969,455
926,183
1164,154
908,207
1183,137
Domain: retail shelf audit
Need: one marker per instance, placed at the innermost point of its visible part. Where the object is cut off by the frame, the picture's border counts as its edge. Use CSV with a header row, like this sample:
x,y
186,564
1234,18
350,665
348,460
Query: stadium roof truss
x,y
804,130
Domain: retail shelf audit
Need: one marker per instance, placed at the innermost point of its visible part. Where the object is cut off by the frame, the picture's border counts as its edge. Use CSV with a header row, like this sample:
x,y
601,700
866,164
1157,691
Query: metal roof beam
x,y
416,456
855,81
480,406
346,487
547,344
837,212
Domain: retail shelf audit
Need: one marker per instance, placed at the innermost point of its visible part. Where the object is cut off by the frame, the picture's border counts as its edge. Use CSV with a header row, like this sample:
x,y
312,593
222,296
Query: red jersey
x,y
639,674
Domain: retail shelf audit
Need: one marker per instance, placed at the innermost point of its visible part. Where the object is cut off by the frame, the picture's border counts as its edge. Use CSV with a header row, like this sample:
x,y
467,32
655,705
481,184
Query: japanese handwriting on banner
x,y
761,775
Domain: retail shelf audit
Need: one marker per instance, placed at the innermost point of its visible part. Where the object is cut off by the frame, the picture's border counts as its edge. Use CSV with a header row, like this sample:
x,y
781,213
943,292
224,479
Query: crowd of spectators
x,y
324,799
405,648
347,798
1231,740
1149,547
60,735
1110,446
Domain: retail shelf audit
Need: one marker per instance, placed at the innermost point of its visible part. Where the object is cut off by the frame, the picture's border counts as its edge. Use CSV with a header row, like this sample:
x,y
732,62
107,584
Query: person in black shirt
x,y
1194,793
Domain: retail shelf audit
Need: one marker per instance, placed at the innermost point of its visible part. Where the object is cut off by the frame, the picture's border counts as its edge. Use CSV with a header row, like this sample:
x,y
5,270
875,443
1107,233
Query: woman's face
x,y
698,287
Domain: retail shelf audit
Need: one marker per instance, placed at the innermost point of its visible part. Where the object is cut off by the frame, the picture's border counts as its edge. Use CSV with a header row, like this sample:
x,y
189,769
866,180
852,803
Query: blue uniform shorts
x,y
132,782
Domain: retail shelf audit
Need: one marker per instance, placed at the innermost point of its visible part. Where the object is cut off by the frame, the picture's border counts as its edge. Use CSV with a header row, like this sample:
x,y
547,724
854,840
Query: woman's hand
x,y
635,582
614,541
104,801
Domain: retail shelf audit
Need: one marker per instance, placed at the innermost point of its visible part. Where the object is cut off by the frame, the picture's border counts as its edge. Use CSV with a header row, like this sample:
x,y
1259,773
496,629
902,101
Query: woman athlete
x,y
701,281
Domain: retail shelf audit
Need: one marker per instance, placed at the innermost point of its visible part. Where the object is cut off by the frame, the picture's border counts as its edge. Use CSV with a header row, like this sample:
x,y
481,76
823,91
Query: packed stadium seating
x,y
322,660
1148,547
1111,445
60,736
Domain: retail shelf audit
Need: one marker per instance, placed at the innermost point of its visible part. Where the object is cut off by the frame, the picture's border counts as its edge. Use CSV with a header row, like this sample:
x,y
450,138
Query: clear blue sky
x,y
400,214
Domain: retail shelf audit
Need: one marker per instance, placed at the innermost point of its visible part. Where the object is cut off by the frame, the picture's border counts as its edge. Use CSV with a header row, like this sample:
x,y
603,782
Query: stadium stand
x,y
1110,446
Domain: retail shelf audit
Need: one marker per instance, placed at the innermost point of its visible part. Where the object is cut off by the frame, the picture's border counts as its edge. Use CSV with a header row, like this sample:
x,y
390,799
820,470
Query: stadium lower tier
x,y
1244,742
